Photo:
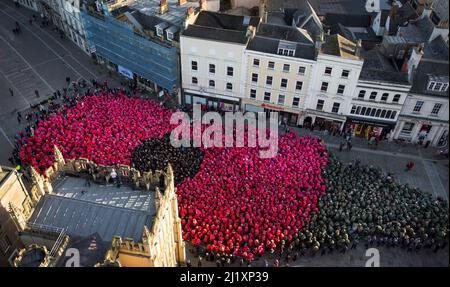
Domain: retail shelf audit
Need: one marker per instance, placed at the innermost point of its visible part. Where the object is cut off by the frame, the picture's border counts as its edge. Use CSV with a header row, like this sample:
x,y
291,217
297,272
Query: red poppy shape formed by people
x,y
238,203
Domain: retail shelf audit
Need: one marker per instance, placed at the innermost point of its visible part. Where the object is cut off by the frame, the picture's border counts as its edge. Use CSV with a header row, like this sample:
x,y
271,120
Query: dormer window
x,y
286,52
286,48
437,86
160,28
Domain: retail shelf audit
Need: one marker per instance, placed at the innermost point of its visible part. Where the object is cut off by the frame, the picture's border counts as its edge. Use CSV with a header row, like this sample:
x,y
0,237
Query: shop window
x,y
212,68
284,83
299,85
396,98
362,94
384,97
301,70
194,81
407,128
267,97
281,99
335,108
418,106
295,101
229,86
324,87
212,84
254,78
341,89
269,80
320,104
437,107
252,94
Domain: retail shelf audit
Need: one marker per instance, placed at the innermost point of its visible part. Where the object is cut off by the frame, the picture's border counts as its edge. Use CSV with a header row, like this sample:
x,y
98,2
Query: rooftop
x,y
221,27
336,45
428,69
377,67
322,7
92,250
175,14
103,209
417,32
269,36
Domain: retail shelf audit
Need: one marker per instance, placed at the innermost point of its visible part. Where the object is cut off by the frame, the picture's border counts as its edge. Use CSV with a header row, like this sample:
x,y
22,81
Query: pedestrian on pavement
x,y
11,92
349,145
409,165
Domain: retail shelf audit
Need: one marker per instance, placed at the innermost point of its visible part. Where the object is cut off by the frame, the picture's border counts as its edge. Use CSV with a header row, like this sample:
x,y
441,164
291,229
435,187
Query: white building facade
x,y
378,98
279,72
334,80
212,60
72,23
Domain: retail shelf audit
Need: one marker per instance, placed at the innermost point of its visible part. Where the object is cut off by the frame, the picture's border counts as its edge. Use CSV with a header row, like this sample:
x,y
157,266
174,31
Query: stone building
x,y
14,198
66,222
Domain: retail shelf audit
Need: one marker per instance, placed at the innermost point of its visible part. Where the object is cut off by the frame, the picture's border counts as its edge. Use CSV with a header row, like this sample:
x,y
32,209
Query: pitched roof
x,y
429,68
377,67
221,27
268,38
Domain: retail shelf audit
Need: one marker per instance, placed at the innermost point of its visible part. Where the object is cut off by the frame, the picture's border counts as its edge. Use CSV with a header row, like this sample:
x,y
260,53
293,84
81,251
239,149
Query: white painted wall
x,y
222,55
330,97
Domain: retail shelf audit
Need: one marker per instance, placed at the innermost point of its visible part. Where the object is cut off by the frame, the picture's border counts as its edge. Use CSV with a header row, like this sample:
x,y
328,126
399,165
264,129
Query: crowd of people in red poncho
x,y
241,204
104,128
238,203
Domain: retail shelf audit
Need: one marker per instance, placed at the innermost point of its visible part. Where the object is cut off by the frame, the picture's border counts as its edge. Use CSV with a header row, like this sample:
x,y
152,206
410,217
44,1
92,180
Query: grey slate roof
x,y
379,68
221,27
436,49
429,67
104,209
268,37
417,32
322,7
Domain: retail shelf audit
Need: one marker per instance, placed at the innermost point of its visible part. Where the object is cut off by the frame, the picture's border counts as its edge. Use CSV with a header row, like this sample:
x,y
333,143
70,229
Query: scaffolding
x,y
117,42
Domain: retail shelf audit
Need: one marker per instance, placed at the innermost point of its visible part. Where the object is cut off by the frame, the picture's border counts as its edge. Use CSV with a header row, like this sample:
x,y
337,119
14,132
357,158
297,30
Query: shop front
x,y
365,128
284,115
224,103
323,121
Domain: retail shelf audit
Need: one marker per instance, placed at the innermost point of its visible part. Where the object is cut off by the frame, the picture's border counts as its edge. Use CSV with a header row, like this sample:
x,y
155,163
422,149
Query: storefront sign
x,y
124,71
272,107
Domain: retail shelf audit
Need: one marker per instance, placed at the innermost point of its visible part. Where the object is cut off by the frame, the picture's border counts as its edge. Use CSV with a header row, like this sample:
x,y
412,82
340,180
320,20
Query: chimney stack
x,y
319,42
182,2
203,5
163,6
394,11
